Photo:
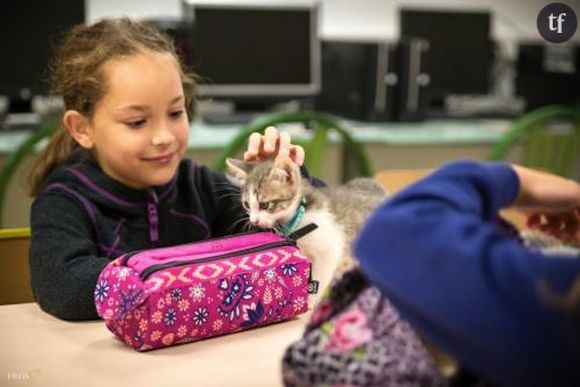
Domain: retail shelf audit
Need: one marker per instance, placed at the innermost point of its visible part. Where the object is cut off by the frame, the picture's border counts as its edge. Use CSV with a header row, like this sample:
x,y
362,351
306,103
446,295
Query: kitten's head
x,y
270,190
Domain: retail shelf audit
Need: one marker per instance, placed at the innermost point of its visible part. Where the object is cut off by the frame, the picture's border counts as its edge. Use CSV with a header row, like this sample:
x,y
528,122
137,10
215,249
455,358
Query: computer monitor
x,y
548,74
29,34
460,52
260,51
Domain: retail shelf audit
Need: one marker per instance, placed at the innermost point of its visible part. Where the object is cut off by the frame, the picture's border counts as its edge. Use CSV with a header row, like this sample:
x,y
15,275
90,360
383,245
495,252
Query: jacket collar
x,y
87,178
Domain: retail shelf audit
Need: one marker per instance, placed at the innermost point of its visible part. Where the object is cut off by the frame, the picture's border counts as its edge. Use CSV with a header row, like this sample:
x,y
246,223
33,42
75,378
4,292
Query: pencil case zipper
x,y
163,266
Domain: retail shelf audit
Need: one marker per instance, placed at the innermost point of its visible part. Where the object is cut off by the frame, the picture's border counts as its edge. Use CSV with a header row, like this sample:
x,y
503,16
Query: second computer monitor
x,y
256,49
460,51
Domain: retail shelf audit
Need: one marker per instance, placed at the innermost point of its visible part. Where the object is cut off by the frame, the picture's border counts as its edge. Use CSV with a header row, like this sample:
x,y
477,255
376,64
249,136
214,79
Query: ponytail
x,y
56,152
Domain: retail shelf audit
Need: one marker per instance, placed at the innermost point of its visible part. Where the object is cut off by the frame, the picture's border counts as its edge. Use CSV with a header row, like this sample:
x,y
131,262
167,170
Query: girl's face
x,y
139,129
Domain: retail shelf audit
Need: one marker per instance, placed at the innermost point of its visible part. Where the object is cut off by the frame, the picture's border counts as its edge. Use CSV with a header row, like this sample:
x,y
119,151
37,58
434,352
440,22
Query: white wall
x,y
365,19
98,9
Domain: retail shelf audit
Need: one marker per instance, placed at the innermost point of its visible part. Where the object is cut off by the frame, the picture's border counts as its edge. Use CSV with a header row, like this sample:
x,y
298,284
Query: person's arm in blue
x,y
436,251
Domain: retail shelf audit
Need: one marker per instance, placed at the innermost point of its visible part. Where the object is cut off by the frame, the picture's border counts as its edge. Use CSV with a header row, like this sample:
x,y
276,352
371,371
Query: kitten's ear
x,y
283,170
238,171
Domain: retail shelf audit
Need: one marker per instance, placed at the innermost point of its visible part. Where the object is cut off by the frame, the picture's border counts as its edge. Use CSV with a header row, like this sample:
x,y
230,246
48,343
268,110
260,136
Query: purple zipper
x,y
153,217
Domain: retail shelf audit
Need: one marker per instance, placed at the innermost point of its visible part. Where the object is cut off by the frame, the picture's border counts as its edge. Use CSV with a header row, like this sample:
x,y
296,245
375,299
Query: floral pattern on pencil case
x,y
188,307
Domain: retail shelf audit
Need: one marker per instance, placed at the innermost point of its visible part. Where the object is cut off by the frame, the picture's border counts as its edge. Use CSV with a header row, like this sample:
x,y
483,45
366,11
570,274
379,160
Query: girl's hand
x,y
551,202
272,144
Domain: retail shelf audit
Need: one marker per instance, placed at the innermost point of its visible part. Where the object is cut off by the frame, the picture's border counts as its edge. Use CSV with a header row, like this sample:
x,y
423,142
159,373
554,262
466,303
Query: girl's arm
x,y
436,251
64,261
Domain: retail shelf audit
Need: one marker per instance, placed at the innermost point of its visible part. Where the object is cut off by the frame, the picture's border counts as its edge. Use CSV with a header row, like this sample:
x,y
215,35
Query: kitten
x,y
274,190
351,204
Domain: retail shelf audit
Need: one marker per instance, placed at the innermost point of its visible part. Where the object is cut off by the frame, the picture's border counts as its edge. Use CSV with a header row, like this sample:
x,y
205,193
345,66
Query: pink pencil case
x,y
161,297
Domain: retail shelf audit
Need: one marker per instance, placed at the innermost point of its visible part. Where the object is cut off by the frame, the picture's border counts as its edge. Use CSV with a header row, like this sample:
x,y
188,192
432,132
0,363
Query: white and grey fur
x,y
271,192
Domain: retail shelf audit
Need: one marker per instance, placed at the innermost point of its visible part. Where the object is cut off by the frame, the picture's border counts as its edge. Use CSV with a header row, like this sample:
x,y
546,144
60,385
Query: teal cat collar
x,y
292,225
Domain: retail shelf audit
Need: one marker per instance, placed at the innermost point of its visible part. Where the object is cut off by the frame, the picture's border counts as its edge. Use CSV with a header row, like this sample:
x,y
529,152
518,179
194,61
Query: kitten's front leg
x,y
325,251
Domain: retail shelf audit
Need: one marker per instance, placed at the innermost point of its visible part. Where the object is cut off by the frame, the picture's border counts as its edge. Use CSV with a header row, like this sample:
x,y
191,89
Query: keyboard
x,y
230,119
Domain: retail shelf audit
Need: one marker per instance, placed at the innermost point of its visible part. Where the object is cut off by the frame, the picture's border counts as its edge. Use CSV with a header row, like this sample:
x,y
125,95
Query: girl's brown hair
x,y
77,76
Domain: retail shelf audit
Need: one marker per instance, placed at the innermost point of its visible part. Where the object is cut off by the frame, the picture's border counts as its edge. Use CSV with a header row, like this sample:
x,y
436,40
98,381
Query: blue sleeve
x,y
436,252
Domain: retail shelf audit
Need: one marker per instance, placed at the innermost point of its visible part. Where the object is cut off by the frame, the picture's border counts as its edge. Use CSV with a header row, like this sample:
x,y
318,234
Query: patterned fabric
x,y
198,293
356,338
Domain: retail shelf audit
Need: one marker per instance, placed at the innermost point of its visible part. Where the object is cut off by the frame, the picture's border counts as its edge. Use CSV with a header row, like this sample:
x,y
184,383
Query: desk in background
x,y
395,180
428,144
40,350
389,145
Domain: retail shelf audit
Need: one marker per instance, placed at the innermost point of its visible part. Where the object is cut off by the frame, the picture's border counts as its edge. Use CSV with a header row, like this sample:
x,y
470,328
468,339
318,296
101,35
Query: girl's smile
x,y
139,131
161,160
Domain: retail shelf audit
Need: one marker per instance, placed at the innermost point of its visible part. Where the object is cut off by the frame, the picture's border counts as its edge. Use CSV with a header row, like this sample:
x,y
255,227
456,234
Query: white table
x,y
37,349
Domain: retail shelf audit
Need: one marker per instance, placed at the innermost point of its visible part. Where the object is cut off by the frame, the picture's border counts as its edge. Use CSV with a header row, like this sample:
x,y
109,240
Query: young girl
x,y
114,180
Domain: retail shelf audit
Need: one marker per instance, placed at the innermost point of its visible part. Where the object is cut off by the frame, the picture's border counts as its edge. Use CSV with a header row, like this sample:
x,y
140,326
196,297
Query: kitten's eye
x,y
264,205
246,204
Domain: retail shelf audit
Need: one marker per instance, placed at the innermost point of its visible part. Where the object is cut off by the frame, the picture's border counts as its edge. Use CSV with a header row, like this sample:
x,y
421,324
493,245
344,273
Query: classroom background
x,y
383,88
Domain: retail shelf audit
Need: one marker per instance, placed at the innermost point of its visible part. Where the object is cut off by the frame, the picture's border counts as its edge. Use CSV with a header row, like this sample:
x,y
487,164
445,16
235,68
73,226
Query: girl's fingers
x,y
297,154
273,143
284,144
271,136
254,144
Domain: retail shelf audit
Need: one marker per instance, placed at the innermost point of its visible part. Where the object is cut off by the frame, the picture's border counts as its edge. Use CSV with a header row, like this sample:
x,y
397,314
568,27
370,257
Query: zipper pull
x,y
153,217
153,195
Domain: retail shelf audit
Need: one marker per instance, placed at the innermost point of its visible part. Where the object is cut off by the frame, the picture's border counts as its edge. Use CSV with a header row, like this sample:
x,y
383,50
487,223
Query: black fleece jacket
x,y
83,219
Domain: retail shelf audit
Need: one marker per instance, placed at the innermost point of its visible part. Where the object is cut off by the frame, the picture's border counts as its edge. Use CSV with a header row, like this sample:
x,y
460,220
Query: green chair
x,y
315,147
16,158
551,139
